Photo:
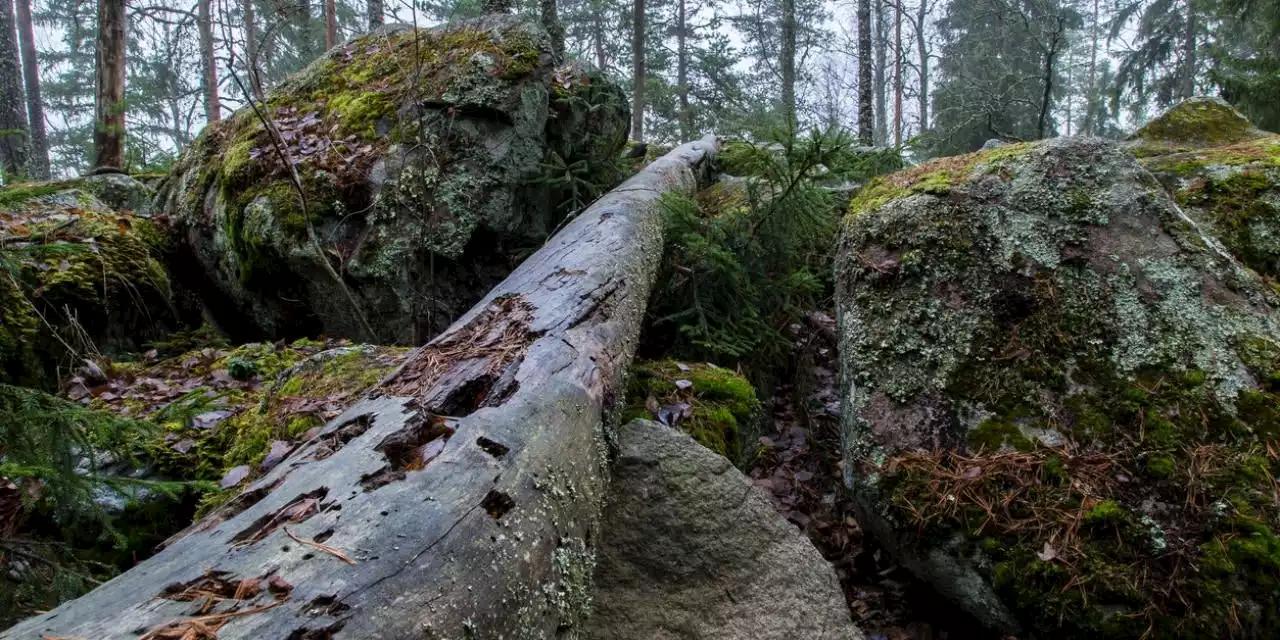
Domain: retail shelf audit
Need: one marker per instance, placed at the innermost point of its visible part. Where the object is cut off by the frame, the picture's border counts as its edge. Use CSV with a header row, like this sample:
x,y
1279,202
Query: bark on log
x,y
465,490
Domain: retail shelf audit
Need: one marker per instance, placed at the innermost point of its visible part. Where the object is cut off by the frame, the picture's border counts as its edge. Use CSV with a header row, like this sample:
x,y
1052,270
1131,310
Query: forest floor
x,y
799,464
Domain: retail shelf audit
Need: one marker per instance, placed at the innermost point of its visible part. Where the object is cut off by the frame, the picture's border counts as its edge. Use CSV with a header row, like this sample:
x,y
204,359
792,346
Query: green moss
x,y
1200,121
1106,513
936,177
993,434
1160,466
723,403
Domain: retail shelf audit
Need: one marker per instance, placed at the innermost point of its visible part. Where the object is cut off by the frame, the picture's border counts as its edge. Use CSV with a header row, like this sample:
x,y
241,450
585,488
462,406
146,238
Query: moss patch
x,y
76,277
1195,122
721,403
212,420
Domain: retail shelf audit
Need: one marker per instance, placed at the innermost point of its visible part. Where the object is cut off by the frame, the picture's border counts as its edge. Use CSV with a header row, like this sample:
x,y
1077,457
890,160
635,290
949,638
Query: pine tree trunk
x,y
13,107
1187,86
597,36
551,22
866,92
330,24
109,107
682,71
251,50
881,40
922,49
38,162
637,70
1093,73
209,79
897,75
375,14
787,61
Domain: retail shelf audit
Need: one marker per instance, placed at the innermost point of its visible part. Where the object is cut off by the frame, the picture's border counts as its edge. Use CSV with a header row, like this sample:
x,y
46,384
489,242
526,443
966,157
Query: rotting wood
x,y
490,533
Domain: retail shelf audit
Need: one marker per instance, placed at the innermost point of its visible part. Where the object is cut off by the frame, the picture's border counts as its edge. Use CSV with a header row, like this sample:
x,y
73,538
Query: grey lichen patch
x,y
570,593
989,309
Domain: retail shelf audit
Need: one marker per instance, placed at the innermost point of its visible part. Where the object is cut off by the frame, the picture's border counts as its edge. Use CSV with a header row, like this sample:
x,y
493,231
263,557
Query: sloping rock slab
x,y
692,550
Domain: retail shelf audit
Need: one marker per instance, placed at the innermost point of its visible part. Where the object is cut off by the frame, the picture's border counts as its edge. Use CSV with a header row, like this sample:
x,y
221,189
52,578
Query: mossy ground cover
x,y
218,408
1108,455
714,405
75,278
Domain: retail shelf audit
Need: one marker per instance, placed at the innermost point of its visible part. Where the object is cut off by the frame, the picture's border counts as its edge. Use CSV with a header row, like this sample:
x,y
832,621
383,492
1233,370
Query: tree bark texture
x,y
330,24
787,61
637,70
375,11
866,92
13,107
922,50
38,162
880,41
897,75
109,106
551,22
682,70
462,496
1187,84
209,65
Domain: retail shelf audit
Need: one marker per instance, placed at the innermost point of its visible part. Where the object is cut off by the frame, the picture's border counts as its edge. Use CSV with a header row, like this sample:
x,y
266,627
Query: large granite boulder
x,y
691,549
431,161
81,273
1060,400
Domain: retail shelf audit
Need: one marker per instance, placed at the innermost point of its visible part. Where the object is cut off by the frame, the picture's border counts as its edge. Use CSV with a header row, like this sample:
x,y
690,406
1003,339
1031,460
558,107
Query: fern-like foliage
x,y
750,255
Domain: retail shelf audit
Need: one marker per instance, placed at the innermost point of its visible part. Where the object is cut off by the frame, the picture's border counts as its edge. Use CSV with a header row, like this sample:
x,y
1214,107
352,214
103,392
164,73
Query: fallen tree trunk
x,y
461,498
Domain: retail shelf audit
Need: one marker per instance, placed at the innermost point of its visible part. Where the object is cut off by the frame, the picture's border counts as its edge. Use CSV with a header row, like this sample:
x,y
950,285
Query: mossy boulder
x,y
1193,123
716,406
1061,395
80,274
1233,190
430,161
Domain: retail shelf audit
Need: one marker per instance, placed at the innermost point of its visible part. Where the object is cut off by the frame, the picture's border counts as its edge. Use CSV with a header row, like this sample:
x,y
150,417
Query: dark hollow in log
x,y
461,498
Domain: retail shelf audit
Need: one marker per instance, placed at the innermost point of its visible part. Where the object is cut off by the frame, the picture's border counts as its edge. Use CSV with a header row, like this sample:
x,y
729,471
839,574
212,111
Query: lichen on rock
x,y
1053,376
422,159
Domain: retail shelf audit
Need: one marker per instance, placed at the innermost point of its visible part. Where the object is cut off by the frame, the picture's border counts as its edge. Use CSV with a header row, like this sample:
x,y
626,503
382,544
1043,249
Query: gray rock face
x,y
431,161
690,549
1035,343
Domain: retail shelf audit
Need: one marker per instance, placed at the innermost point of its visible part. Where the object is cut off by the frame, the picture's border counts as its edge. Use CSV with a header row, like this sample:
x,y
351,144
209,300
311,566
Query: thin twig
x,y
278,143
323,547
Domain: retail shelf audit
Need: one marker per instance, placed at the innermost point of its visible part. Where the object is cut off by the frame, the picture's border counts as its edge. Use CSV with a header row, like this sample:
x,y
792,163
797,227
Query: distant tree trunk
x,y
38,162
1050,69
13,107
209,80
866,92
251,49
1187,86
787,60
497,6
1093,72
897,74
880,42
109,107
330,24
597,37
637,70
682,71
375,11
551,22
922,49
